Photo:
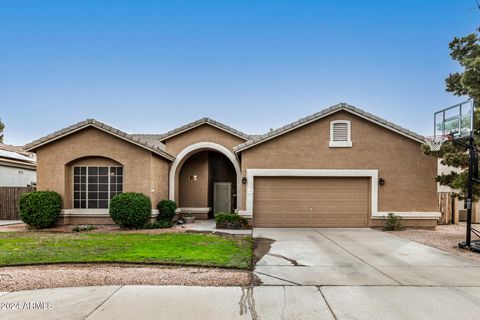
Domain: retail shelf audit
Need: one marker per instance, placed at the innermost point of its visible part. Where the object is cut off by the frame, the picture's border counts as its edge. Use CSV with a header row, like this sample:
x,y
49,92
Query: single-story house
x,y
340,167
17,167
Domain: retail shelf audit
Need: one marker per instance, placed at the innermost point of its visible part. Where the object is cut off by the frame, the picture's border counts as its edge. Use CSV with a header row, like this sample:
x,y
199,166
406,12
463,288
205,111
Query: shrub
x,y
230,221
40,209
130,209
166,210
160,224
83,228
392,223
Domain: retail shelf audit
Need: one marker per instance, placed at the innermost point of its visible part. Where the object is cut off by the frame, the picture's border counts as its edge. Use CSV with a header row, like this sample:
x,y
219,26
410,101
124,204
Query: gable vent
x,y
340,131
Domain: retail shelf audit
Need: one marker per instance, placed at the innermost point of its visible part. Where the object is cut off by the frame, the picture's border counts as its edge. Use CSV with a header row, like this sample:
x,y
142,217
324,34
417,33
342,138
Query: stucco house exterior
x,y
341,167
17,167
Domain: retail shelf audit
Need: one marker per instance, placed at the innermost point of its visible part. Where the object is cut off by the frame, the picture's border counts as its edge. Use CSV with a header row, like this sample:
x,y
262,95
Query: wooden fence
x,y
450,208
9,201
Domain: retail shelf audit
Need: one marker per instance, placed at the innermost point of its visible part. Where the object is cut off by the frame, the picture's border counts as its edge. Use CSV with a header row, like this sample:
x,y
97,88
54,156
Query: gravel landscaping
x,y
445,238
59,276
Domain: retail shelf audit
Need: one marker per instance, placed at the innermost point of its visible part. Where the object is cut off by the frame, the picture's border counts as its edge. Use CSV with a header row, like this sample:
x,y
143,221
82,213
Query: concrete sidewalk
x,y
267,302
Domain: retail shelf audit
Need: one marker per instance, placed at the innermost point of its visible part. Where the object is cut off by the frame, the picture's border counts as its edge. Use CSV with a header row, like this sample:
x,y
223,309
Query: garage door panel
x,y
311,202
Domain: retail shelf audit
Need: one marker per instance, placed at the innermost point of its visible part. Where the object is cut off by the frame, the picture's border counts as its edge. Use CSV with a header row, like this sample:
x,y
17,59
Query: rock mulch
x,y
78,275
444,237
99,228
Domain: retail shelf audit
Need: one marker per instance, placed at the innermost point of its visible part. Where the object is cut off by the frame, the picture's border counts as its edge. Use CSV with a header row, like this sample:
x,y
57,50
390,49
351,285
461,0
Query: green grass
x,y
167,248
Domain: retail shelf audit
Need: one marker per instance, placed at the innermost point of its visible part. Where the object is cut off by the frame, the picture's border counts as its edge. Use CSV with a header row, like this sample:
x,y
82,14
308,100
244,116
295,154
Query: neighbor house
x,y
17,167
341,167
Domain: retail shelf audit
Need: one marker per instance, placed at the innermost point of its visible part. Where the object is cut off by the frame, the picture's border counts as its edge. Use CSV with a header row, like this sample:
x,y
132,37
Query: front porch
x,y
206,183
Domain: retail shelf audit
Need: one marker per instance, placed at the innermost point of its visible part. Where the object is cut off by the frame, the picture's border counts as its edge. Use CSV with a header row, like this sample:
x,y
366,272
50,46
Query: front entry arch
x,y
195,148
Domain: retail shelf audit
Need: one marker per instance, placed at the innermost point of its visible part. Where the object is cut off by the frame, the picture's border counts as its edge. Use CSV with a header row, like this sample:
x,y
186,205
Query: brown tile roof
x,y
314,117
157,147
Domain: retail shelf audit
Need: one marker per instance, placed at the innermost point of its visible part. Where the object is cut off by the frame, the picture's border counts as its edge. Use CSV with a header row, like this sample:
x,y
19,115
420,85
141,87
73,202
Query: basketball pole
x,y
471,158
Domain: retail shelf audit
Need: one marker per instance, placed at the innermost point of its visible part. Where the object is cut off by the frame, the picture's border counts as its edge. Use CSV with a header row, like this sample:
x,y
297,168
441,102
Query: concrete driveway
x,y
356,257
368,274
302,274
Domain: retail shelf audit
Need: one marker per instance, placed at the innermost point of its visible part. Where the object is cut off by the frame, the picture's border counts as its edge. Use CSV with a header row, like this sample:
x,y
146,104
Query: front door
x,y
222,197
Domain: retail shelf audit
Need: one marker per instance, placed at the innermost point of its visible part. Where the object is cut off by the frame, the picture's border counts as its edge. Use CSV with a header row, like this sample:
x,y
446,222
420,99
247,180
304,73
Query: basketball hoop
x,y
436,142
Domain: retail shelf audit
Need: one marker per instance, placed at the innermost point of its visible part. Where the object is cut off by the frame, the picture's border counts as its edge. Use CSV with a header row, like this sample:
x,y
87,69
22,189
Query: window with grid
x,y
93,187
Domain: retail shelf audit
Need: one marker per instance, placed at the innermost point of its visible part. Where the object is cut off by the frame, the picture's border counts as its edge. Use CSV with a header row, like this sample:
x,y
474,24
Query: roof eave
x,y
32,147
329,111
198,123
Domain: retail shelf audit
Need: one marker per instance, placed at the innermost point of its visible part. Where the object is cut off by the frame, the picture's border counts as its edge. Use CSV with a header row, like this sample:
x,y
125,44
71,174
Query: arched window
x,y
340,134
94,186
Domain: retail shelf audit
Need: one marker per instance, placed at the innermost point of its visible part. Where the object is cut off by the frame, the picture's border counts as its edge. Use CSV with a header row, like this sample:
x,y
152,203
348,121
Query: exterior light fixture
x,y
381,181
193,178
244,180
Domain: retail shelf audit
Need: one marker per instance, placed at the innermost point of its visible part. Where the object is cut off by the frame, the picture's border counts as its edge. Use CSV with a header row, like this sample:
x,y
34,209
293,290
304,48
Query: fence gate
x,y
9,201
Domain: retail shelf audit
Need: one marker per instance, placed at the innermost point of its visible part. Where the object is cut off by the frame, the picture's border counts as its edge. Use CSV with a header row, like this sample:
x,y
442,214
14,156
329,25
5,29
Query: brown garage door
x,y
311,202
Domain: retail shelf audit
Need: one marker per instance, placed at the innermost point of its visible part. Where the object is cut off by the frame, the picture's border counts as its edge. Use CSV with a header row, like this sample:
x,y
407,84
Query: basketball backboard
x,y
456,121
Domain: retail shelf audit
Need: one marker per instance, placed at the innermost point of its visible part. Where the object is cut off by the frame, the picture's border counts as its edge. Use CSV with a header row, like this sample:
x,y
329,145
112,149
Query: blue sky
x,y
150,66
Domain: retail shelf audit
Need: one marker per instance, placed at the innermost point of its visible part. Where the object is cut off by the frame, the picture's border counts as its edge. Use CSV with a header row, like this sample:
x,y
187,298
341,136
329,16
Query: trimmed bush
x,y
166,210
160,224
392,223
83,228
230,221
40,209
130,210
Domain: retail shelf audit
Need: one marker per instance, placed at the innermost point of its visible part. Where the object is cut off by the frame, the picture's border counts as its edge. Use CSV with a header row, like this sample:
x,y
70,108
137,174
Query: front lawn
x,y
167,248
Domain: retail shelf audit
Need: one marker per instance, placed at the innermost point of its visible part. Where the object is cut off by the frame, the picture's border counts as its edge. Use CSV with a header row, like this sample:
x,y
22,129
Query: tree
x,y
2,126
466,51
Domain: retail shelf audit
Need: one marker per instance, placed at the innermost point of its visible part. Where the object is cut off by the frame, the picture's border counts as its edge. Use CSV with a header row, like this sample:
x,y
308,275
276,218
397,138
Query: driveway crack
x,y
292,261
326,302
102,303
278,278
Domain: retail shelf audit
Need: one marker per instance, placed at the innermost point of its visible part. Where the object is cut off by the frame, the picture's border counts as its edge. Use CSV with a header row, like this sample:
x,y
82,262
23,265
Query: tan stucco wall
x,y
409,175
54,160
159,179
203,133
194,194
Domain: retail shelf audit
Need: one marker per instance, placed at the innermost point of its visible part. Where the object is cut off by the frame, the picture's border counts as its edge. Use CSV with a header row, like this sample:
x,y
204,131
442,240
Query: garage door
x,y
311,202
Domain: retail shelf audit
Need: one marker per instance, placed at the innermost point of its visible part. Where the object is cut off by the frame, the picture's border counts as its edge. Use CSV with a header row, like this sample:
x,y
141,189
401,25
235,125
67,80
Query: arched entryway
x,y
206,177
